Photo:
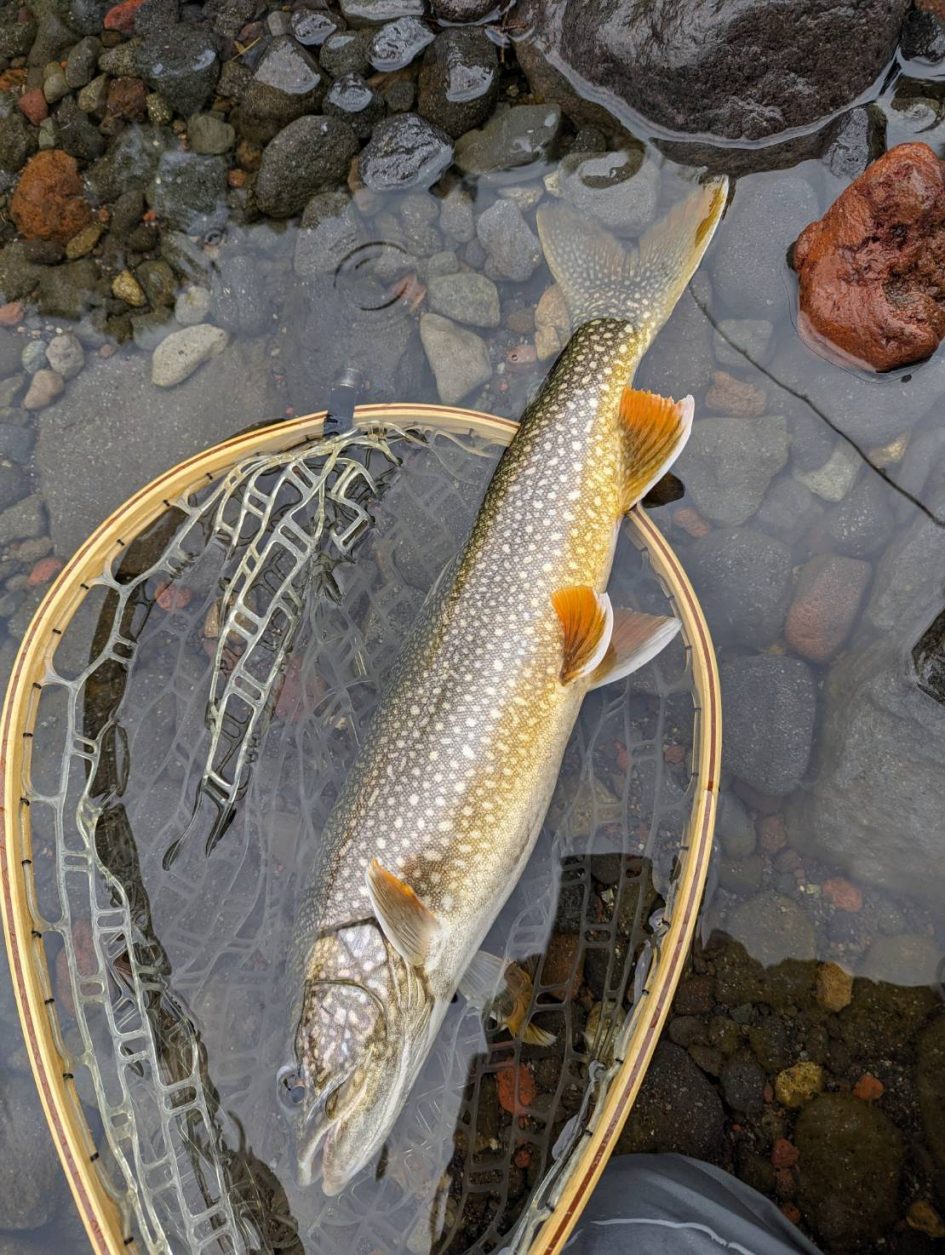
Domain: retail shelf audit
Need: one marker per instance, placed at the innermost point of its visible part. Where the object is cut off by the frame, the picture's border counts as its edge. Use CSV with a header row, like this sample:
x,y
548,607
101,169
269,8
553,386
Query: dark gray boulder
x,y
769,704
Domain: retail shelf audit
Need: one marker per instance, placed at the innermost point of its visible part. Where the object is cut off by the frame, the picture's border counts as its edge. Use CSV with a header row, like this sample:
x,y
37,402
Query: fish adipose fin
x,y
655,433
505,991
409,925
636,638
600,278
586,619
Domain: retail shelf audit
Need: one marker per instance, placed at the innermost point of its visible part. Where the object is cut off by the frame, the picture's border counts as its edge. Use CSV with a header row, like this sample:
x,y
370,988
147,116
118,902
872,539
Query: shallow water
x,y
829,840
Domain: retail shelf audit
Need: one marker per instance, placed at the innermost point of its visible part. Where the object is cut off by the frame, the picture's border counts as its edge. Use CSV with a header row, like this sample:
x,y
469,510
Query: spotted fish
x,y
443,807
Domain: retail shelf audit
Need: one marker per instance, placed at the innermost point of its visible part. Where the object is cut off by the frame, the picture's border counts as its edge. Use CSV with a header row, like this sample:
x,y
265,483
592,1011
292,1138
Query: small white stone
x,y
177,357
836,477
192,306
66,355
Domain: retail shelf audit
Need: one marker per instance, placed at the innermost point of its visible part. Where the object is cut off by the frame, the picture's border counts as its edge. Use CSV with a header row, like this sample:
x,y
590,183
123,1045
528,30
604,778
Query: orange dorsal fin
x,y
408,923
586,618
655,430
636,638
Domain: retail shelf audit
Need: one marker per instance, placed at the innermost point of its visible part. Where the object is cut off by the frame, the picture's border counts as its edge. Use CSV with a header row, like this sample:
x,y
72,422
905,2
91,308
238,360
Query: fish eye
x,y
290,1087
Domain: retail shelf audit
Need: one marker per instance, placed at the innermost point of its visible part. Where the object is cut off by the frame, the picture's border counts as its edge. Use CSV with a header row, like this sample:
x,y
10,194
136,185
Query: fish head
x,y
363,1030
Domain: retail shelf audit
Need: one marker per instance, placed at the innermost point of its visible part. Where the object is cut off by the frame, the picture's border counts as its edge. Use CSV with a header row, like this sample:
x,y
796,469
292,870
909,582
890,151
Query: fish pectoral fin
x,y
504,989
586,619
655,431
635,639
408,923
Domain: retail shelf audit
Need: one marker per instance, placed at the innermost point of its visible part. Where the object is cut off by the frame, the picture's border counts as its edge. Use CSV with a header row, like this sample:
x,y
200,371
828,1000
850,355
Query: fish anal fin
x,y
655,431
636,638
586,618
408,923
504,989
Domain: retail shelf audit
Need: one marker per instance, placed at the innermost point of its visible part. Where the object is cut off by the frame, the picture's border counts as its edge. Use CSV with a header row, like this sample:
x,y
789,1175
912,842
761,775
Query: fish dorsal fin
x,y
586,618
636,638
655,432
408,923
505,990
602,278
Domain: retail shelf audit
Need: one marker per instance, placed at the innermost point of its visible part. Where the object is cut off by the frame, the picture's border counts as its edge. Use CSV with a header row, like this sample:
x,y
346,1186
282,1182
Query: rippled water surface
x,y
216,274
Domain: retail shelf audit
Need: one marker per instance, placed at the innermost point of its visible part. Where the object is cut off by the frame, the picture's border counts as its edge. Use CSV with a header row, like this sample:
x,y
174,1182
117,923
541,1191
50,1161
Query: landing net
x,y
205,695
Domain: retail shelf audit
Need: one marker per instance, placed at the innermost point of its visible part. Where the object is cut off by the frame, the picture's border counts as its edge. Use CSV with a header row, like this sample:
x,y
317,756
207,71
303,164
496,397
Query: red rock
x,y
516,1088
127,100
841,894
826,601
784,1154
868,1088
11,313
872,270
43,571
171,596
49,202
33,106
121,17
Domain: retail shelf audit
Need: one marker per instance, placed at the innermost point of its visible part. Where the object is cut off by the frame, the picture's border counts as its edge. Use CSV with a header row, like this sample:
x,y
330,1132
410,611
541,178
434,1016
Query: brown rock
x,y
49,202
872,270
127,100
826,600
33,106
834,987
729,395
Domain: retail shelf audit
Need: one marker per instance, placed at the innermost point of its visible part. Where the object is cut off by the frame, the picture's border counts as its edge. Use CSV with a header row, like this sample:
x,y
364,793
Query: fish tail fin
x,y
601,278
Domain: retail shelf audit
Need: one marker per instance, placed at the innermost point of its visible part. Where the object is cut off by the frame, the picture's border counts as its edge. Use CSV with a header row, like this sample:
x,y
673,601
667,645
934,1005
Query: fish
x,y
446,799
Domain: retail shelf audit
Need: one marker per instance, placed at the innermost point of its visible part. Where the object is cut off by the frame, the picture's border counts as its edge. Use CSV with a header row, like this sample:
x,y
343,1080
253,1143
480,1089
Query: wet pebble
x,y
405,151
465,297
46,385
376,12
33,357
182,352
350,99
834,479
345,52
309,155
65,354
770,706
729,463
863,521
516,137
458,357
331,228
209,134
744,580
179,61
189,191
287,84
459,80
312,27
511,245
127,288
158,281
465,10
825,606
192,305
734,827
457,219
398,43
239,296
82,61
620,189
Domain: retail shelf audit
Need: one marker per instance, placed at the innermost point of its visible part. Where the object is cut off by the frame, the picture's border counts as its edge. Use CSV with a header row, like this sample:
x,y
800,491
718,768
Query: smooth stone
x,y
729,463
330,231
33,357
459,80
465,297
350,99
457,219
734,827
825,606
345,52
458,358
65,355
311,27
43,390
179,61
744,580
287,84
620,189
862,523
192,305
516,137
209,135
788,510
189,191
772,928
376,12
398,43
741,340
769,705
240,299
182,352
310,155
82,61
512,247
907,959
405,151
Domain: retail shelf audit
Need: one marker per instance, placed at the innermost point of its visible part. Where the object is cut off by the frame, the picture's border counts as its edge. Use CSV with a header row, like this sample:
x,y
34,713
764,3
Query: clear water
x,y
846,867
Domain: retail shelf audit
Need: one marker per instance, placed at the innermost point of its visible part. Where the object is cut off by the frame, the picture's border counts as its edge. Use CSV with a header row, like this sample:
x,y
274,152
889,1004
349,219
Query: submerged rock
x,y
769,705
287,85
458,357
729,463
30,1177
465,297
398,43
49,202
826,602
180,354
744,580
620,188
675,61
179,61
405,151
772,928
678,1109
353,101
512,246
310,155
870,271
516,137
928,658
330,230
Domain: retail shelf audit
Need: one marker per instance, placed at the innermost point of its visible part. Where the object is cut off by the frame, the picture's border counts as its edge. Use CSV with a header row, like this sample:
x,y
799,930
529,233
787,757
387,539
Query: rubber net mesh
x,y
210,693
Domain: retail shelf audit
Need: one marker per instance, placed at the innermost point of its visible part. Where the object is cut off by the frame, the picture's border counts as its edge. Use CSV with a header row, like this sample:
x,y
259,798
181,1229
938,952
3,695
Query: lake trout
x,y
442,809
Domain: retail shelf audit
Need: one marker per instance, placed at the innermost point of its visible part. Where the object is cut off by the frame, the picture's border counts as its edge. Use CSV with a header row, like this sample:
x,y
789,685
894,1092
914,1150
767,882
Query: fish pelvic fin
x,y
636,638
655,430
407,922
586,619
600,278
505,990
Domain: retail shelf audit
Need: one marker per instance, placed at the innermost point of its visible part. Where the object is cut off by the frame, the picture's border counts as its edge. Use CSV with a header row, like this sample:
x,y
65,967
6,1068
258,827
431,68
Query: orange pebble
x,y
868,1087
691,521
11,313
43,571
791,1212
237,178
842,894
784,1154
516,1088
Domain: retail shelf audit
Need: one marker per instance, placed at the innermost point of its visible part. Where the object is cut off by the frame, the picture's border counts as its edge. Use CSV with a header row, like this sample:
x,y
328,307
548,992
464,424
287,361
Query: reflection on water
x,y
811,527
